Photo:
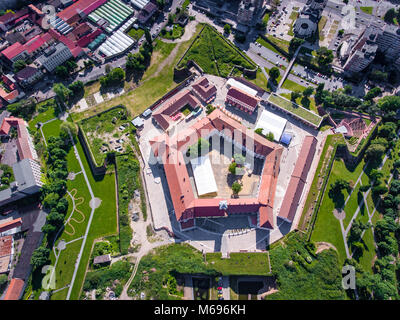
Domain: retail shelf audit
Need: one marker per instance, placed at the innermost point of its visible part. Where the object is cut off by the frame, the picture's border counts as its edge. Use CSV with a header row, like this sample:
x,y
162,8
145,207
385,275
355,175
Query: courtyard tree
x,y
324,56
66,128
232,168
236,187
270,136
375,152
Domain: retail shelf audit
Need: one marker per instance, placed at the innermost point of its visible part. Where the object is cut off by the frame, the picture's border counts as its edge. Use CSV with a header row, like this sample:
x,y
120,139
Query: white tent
x,y
270,122
203,176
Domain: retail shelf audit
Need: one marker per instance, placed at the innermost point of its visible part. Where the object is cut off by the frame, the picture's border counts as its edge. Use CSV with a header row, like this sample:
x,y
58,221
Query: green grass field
x,y
173,34
240,263
295,109
367,10
214,54
306,103
292,86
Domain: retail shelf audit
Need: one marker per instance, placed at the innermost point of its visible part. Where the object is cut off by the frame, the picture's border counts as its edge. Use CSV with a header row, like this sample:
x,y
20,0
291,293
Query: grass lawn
x,y
292,86
367,10
136,34
306,103
65,267
104,221
282,44
44,116
51,129
295,109
260,79
267,45
321,25
369,251
293,16
251,263
266,17
327,227
214,54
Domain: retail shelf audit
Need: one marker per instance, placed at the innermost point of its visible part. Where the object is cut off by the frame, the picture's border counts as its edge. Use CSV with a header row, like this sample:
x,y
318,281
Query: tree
x,y
378,76
62,92
147,35
240,37
61,72
348,89
375,152
232,168
76,87
227,29
341,32
239,159
270,136
339,185
390,15
236,187
374,92
274,73
294,44
307,92
19,65
50,201
210,108
3,280
39,257
294,95
324,56
66,128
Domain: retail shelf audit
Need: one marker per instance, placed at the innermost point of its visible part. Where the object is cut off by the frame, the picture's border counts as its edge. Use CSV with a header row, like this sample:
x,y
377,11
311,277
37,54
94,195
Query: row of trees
x,y
53,192
66,69
67,94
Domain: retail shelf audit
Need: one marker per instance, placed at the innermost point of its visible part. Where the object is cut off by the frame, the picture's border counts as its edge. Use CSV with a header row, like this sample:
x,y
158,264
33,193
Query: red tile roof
x,y
23,145
244,98
10,224
185,204
15,289
5,245
13,50
204,89
172,106
298,179
9,96
73,46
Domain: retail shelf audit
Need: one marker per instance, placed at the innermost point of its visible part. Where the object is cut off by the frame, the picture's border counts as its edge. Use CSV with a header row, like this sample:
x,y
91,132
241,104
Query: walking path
x,y
90,218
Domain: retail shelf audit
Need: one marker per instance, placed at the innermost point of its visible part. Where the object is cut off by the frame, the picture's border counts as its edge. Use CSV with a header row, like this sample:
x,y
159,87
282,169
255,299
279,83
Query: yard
x,y
214,54
176,32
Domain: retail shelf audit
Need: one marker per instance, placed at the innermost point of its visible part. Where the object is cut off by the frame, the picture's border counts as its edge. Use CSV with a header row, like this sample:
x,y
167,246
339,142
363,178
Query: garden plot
x,y
108,131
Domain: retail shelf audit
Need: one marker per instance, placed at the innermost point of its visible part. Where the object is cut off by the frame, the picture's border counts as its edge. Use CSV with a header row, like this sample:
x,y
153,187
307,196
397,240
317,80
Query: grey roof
x,y
24,177
137,122
102,259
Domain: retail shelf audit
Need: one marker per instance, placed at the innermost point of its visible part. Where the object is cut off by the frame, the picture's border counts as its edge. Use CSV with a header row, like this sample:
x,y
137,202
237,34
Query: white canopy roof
x,y
270,122
203,176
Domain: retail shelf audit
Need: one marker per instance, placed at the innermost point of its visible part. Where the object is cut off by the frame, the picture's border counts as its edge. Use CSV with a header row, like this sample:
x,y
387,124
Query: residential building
x,y
247,11
204,90
15,289
28,76
147,12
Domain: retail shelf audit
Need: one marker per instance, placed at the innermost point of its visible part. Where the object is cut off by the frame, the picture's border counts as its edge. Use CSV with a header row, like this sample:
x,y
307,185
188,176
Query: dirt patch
x,y
321,246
